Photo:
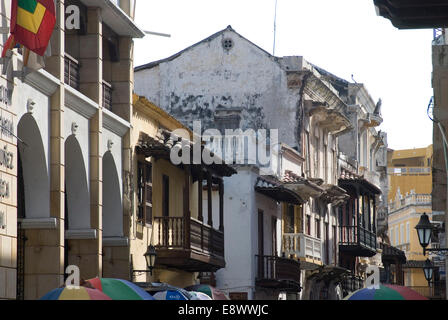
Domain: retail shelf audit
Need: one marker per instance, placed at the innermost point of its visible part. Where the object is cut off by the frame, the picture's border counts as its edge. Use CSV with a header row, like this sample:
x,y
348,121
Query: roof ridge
x,y
209,38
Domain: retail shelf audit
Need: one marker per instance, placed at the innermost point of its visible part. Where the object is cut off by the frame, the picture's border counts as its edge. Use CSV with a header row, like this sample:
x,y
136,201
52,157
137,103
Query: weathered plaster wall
x,y
241,232
207,76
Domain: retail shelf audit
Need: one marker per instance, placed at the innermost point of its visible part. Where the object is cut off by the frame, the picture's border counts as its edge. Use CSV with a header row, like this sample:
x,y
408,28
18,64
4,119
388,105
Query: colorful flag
x,y
9,45
32,23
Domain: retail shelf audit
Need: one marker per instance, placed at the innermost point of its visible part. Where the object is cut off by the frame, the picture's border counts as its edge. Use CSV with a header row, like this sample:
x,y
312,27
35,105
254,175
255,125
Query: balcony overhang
x,y
330,119
334,195
329,273
414,14
372,120
304,187
161,145
188,260
350,180
277,191
308,266
357,250
116,18
392,255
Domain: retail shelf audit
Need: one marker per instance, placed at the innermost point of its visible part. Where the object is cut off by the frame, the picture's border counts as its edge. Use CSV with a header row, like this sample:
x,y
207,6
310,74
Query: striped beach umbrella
x,y
385,292
119,289
80,293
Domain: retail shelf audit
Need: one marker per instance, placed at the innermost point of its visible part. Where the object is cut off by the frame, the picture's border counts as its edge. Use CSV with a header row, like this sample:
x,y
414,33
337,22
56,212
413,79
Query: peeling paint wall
x,y
207,76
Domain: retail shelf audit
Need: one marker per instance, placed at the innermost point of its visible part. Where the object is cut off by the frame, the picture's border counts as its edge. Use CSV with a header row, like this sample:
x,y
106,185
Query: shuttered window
x,y
144,192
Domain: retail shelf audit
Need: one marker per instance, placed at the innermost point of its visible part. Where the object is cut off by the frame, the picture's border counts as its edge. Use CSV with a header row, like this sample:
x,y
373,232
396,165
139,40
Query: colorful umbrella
x,y
199,296
212,292
171,295
385,292
81,293
119,289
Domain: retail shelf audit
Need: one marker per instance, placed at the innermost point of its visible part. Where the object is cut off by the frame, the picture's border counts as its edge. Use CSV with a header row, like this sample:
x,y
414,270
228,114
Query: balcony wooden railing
x,y
107,95
71,72
170,234
277,269
352,283
302,245
354,235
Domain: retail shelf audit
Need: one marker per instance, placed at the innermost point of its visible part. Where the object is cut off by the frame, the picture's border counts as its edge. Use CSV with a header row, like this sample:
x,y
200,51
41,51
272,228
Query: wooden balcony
x,y
357,241
71,72
351,283
189,245
278,273
302,245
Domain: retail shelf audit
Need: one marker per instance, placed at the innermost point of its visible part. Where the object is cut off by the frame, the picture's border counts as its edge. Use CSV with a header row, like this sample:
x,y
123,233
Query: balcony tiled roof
x,y
334,194
305,187
347,177
164,141
273,188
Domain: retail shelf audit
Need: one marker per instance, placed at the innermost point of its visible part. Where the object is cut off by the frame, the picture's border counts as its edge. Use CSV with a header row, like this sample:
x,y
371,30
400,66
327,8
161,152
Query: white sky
x,y
344,37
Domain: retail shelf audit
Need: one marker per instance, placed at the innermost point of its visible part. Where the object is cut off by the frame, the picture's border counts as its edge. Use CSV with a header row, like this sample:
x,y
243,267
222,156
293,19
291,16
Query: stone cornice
x,y
79,103
43,81
116,18
115,241
81,234
114,123
38,223
316,86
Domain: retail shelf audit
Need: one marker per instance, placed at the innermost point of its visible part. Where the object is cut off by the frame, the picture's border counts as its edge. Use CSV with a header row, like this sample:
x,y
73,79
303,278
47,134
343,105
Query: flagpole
x,y
275,27
26,56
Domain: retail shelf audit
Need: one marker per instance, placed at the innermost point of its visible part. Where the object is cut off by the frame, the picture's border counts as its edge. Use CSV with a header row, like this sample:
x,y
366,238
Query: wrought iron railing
x,y
351,283
354,235
71,72
277,268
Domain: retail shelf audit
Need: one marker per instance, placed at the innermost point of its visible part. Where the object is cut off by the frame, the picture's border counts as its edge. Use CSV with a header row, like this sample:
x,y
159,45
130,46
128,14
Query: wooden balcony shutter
x,y
144,192
148,193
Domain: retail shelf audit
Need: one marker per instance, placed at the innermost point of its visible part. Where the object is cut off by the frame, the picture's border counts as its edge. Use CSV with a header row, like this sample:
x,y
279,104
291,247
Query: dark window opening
x,y
289,220
144,192
308,225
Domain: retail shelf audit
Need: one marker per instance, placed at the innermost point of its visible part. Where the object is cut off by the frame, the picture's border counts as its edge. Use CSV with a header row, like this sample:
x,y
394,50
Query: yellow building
x,y
177,208
410,181
408,170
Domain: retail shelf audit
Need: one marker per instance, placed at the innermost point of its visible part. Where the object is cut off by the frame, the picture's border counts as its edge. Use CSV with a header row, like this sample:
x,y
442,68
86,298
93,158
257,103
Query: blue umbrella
x,y
171,295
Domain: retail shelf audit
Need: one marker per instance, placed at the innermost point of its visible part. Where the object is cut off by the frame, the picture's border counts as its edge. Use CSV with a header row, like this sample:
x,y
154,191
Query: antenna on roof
x,y
275,27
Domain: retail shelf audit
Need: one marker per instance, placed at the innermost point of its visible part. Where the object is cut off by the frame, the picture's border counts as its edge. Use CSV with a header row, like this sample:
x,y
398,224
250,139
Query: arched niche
x,y
112,204
36,182
76,186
